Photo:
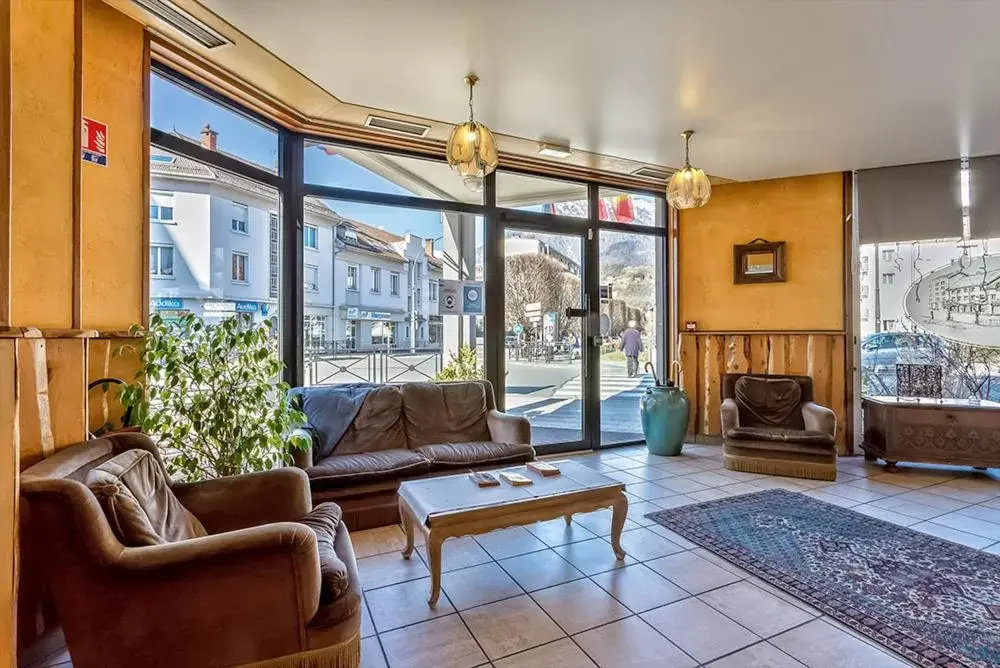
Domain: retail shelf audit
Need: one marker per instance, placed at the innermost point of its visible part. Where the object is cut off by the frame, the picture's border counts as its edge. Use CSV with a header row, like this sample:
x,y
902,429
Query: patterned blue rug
x,y
935,602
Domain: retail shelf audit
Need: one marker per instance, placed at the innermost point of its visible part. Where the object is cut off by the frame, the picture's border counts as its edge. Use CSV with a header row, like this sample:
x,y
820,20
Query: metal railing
x,y
332,366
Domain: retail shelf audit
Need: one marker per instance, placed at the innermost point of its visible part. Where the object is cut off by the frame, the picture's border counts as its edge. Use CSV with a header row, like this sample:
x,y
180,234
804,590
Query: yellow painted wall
x,y
62,288
807,214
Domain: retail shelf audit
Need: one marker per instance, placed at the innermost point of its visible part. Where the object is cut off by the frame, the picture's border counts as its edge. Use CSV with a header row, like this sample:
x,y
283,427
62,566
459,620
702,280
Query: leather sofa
x,y
771,425
249,589
406,431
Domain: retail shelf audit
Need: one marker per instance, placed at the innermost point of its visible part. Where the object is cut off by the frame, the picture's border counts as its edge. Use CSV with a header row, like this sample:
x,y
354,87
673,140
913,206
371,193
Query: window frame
x,y
395,284
315,230
305,284
234,220
352,269
233,254
376,280
173,207
159,248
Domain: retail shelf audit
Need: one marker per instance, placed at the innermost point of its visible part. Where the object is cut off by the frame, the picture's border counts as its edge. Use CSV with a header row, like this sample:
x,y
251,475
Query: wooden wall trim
x,y
144,252
849,308
6,111
9,492
77,315
832,332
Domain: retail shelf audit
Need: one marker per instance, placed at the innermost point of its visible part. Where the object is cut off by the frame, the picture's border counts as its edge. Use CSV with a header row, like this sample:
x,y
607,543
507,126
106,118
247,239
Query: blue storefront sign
x,y
167,303
246,307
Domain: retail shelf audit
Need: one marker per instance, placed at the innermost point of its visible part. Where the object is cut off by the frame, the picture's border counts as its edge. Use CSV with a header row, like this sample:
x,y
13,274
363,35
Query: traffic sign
x,y
518,328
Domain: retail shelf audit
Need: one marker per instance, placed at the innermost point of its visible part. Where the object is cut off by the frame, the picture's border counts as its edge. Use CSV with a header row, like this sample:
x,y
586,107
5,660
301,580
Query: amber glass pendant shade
x,y
472,148
688,188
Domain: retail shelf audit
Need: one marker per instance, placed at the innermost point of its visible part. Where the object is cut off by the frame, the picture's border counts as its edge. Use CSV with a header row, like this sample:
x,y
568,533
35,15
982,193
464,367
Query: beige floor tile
x,y
790,484
745,487
713,494
710,479
631,643
914,479
629,464
992,549
819,644
952,490
650,473
968,524
624,476
692,573
580,605
442,643
886,515
591,556
599,522
677,467
642,544
557,532
390,568
761,612
509,542
477,585
403,604
849,491
371,654
923,496
954,535
831,498
639,587
560,654
650,491
637,512
879,486
898,504
539,570
672,536
367,627
378,541
724,564
458,553
741,476
510,626
699,630
761,655
681,485
675,501
984,513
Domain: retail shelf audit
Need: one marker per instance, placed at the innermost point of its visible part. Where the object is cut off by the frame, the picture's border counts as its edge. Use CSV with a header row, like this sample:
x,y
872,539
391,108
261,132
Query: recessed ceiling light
x,y
553,150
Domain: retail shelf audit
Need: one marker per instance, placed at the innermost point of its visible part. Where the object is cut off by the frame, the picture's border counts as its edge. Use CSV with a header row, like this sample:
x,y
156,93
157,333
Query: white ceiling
x,y
773,87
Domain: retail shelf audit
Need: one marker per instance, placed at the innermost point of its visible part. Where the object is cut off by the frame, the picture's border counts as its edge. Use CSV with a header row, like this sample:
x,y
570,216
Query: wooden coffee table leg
x,y
406,519
618,512
569,520
434,557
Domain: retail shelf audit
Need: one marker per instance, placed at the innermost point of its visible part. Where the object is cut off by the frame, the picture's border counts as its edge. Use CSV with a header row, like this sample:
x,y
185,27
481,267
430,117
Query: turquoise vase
x,y
664,410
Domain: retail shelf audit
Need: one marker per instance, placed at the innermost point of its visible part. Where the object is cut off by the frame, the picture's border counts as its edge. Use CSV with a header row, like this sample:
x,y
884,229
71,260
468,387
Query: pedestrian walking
x,y
631,345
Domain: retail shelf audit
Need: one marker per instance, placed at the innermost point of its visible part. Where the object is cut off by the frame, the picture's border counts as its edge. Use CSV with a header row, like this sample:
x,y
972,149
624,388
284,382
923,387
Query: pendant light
x,y
688,188
472,149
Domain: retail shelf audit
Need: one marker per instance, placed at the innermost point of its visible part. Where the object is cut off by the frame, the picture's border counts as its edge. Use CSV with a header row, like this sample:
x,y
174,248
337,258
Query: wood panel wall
x,y
705,357
71,248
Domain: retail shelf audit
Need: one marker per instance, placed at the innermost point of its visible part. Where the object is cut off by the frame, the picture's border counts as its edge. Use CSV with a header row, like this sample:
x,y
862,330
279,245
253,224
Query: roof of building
x,y
369,238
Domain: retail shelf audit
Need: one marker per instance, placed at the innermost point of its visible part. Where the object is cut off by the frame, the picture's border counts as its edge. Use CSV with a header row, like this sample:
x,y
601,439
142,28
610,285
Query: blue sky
x,y
175,109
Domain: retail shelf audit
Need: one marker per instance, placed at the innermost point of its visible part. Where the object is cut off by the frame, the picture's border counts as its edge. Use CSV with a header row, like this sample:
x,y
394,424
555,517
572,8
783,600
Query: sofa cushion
x,y
378,425
477,453
769,402
780,435
365,467
444,413
334,579
139,504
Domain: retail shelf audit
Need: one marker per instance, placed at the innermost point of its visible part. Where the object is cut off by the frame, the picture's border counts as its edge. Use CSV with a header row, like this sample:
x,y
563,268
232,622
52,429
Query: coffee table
x,y
453,506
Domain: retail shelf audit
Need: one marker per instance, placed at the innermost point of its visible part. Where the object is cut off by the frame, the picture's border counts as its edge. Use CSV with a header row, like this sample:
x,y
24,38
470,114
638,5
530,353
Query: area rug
x,y
934,602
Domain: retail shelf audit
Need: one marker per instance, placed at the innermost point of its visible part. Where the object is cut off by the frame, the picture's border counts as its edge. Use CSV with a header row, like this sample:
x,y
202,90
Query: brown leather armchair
x,y
771,425
248,593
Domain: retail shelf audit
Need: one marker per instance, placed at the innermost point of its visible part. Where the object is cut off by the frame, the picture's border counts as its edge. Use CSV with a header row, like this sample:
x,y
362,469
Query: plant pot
x,y
664,411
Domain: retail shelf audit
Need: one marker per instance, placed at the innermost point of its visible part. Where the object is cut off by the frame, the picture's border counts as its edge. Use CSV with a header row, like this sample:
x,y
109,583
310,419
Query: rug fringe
x,y
813,471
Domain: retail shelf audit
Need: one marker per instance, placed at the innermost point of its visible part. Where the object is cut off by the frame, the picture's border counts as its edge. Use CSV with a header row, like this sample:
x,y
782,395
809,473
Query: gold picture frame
x,y
760,261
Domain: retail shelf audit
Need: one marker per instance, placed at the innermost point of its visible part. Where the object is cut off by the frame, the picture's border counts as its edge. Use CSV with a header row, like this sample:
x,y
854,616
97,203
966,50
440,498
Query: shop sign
x,y
219,307
166,303
375,315
246,307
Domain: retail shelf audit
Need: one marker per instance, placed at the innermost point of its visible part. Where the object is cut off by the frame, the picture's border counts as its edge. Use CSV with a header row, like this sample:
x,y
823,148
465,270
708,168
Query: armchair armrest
x,y
232,588
506,428
819,418
730,416
241,501
304,458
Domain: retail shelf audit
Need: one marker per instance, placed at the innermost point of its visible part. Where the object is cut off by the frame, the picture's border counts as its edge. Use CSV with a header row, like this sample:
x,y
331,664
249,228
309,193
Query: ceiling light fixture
x,y
688,188
472,149
553,150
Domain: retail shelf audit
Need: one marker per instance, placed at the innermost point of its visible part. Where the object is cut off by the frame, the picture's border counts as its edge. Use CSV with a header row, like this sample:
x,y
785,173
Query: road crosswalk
x,y
615,384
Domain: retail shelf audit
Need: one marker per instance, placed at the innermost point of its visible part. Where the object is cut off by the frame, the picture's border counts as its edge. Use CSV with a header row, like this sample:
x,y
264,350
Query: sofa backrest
x,y
768,400
446,412
378,424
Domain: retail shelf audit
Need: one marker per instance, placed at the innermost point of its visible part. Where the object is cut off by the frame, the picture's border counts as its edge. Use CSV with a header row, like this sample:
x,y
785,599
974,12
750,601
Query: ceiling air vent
x,y
181,20
396,126
652,173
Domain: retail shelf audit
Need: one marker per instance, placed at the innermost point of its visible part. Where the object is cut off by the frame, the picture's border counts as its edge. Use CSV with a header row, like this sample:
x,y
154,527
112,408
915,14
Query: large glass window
x,y
620,206
534,193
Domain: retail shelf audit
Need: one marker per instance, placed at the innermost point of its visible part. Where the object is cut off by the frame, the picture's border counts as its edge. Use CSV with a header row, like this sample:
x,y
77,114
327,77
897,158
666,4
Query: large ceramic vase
x,y
664,410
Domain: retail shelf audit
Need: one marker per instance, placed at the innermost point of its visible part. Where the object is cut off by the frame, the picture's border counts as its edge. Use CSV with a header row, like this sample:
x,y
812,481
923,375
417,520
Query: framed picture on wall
x,y
760,261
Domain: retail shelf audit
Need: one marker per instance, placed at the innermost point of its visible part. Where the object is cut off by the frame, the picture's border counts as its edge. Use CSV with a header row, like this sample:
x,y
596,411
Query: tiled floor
x,y
552,596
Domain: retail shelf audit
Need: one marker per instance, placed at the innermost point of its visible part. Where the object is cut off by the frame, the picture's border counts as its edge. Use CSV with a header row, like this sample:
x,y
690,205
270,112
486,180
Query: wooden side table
x,y
938,431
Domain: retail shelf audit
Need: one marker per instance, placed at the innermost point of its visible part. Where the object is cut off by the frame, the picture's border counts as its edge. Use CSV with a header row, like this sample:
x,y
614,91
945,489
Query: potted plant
x,y
464,366
210,395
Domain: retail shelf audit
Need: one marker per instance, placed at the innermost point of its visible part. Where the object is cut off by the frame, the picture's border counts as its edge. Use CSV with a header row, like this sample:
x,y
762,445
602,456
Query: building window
x,y
273,279
352,277
888,325
311,274
864,263
161,261
315,331
383,333
887,256
433,290
161,207
241,216
376,280
351,334
887,279
310,237
394,284
241,263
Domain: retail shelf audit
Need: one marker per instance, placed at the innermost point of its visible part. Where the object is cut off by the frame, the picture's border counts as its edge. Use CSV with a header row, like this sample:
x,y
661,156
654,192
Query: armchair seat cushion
x,y
477,453
366,467
780,435
138,502
334,578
